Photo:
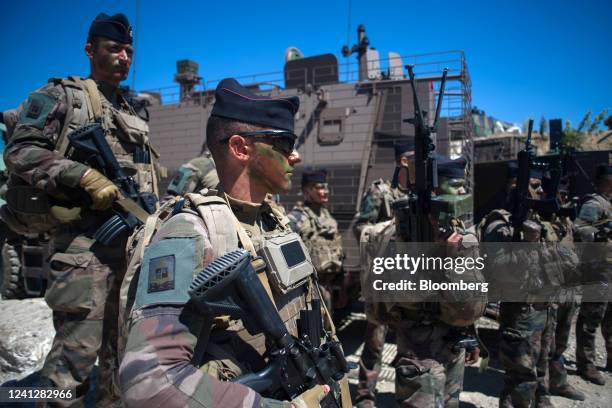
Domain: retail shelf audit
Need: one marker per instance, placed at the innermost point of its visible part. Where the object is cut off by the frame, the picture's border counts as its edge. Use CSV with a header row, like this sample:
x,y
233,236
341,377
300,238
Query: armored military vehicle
x,y
351,116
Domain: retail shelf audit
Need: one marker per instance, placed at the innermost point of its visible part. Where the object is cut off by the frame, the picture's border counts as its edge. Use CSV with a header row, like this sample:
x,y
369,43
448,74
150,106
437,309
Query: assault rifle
x,y
90,146
523,202
419,203
230,286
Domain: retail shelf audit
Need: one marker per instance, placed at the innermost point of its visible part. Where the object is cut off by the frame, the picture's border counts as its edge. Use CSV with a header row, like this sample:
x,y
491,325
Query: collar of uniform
x,y
109,91
245,211
316,208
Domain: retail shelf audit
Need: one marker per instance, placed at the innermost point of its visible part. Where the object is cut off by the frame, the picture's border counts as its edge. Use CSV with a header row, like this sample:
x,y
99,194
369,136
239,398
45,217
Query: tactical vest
x,y
323,241
459,309
231,350
556,263
125,133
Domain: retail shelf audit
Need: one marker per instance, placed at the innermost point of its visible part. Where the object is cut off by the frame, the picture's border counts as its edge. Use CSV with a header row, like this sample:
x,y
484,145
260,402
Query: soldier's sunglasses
x,y
281,140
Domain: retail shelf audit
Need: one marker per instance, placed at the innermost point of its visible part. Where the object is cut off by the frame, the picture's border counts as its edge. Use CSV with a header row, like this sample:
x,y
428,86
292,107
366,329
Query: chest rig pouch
x,y
289,264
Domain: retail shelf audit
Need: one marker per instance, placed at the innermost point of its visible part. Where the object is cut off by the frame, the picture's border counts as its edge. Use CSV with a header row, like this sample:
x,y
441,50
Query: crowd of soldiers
x,y
125,300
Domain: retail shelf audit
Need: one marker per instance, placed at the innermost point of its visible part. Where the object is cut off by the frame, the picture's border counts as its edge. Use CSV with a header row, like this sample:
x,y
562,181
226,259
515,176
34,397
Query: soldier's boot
x,y
366,388
544,402
567,391
558,384
590,373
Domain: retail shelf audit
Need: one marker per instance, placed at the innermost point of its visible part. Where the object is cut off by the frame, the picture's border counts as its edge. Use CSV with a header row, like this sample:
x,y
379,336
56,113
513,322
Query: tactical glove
x,y
102,191
311,398
66,215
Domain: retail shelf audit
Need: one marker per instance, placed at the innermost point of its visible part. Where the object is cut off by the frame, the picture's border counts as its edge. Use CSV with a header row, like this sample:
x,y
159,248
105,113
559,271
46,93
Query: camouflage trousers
x,y
428,370
84,296
563,324
591,315
371,361
527,335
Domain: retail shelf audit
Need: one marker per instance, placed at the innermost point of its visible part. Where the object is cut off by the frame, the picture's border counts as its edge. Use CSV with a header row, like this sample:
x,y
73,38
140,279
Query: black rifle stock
x,y
230,286
91,147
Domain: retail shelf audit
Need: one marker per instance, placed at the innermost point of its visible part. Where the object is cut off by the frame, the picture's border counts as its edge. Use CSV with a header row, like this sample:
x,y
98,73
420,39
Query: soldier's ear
x,y
239,148
89,50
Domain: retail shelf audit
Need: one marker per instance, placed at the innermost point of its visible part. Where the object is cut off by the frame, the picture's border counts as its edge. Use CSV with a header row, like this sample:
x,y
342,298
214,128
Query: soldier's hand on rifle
x,y
311,398
102,191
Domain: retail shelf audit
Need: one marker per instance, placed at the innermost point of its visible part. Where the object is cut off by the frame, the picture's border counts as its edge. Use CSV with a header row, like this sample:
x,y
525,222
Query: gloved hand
x,y
66,215
102,191
311,398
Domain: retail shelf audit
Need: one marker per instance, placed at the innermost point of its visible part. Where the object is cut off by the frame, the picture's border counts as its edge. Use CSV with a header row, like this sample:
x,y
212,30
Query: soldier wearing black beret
x,y
82,289
168,356
319,231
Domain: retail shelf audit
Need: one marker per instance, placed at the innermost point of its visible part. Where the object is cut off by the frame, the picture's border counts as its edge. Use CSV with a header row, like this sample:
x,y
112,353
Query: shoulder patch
x,y
161,273
166,272
179,181
36,110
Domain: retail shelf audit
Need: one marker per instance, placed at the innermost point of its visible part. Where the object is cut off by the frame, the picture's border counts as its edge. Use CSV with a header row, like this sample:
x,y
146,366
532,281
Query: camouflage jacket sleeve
x,y
30,152
371,203
590,212
298,220
157,368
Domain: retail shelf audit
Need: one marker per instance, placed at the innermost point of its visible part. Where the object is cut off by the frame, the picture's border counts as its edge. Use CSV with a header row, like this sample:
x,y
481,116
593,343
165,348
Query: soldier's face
x,y
317,193
535,188
270,168
110,60
452,186
407,176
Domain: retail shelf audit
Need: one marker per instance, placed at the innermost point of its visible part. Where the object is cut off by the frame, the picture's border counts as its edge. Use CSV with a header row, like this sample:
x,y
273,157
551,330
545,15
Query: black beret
x,y
602,170
314,176
451,168
402,148
116,28
233,101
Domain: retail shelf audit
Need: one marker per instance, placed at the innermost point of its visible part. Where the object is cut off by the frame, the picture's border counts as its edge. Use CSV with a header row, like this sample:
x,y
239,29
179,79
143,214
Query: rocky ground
x,y
26,331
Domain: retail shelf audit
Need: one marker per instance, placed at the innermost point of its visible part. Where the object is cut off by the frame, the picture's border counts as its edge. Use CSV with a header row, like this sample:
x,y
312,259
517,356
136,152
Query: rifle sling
x,y
130,206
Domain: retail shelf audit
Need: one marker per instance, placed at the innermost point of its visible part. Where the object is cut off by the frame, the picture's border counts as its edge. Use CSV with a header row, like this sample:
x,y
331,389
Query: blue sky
x,y
526,59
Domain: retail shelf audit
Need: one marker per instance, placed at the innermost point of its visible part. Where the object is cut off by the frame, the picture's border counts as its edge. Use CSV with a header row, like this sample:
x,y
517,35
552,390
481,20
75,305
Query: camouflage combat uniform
x,y
375,208
191,177
158,364
596,209
527,328
85,275
429,368
319,231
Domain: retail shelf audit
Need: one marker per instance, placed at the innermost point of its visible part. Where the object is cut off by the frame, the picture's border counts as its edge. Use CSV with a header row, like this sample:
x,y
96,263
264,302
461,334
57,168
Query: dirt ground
x,y
30,322
480,390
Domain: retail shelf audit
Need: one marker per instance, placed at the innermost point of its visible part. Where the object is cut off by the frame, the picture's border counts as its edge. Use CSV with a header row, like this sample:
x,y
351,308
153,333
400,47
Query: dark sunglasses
x,y
280,140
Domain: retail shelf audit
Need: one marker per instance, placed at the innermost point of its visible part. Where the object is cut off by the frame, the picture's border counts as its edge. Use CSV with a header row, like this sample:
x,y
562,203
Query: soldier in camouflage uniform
x,y
319,231
527,328
376,208
193,176
85,275
595,214
251,138
429,367
565,311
